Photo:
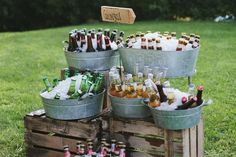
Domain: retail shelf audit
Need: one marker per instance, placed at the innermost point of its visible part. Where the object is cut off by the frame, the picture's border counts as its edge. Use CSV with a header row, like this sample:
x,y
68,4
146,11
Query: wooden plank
x,y
142,154
48,141
42,152
185,142
66,128
139,143
118,14
136,126
169,145
200,139
193,142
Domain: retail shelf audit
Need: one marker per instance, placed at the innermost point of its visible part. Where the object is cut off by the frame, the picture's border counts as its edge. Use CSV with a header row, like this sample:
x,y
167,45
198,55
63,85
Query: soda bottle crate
x,y
143,139
45,137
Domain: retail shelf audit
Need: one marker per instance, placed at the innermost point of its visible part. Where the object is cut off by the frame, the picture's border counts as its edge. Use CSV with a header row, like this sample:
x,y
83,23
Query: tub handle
x,y
145,101
207,102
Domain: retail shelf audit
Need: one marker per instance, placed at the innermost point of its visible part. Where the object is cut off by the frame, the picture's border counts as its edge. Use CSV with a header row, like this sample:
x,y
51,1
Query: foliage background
x,y
19,15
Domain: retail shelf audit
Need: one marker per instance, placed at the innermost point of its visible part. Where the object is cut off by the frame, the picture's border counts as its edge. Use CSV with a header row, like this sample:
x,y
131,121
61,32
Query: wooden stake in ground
x,y
118,14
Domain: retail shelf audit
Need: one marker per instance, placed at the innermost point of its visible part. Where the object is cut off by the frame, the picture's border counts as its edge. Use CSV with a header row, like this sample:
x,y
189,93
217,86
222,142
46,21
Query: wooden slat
x,y
200,139
67,128
169,143
193,142
41,152
142,154
136,126
141,143
48,141
185,142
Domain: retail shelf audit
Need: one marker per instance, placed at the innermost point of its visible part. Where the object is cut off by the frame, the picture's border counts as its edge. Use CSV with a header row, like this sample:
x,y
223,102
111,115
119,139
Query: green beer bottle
x,y
83,85
72,87
55,82
76,95
98,85
47,84
67,73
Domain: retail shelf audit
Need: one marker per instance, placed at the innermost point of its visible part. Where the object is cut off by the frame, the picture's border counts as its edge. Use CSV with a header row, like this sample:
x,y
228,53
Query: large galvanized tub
x,y
129,108
100,61
72,109
179,63
178,119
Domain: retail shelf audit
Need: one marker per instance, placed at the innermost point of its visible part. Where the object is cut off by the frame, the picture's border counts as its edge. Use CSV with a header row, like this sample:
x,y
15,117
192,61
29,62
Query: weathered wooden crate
x,y
143,139
46,137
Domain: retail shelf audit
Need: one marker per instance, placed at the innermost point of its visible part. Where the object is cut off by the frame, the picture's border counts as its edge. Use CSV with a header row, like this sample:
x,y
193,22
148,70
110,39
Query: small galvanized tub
x,y
178,119
129,108
102,60
179,63
72,109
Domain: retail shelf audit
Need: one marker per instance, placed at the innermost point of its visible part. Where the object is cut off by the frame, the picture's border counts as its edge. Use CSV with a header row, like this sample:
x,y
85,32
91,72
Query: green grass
x,y
26,57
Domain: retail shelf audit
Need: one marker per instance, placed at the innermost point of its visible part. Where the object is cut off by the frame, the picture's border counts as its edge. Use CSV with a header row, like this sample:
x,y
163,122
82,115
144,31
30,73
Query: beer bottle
x,y
150,76
180,44
100,30
90,148
187,104
132,39
107,43
98,85
70,42
107,32
113,145
166,33
137,37
145,71
78,147
72,87
149,89
113,37
93,33
192,38
163,97
57,96
47,84
66,151
83,40
136,70
66,73
158,46
90,44
84,30
184,100
55,82
76,95
83,85
122,150
170,98
150,46
156,74
99,41
199,95
140,85
154,101
130,87
168,37
173,34
122,35
119,44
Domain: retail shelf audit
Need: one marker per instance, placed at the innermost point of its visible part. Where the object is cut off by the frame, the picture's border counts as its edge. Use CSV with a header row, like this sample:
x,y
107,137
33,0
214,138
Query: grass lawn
x,y
26,57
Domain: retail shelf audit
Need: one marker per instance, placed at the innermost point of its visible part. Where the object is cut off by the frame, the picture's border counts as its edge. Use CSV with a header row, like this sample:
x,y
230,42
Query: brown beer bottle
x,y
113,37
82,39
107,42
154,101
107,32
199,95
90,44
143,43
163,97
66,151
150,46
130,91
140,85
99,41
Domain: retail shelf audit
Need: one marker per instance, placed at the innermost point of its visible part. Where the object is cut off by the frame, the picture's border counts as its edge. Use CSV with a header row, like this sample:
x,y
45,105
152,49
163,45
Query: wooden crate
x,y
143,139
46,137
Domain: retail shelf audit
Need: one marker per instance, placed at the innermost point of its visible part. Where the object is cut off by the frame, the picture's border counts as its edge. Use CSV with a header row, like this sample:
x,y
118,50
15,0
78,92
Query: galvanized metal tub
x,y
129,108
100,61
179,64
72,109
177,119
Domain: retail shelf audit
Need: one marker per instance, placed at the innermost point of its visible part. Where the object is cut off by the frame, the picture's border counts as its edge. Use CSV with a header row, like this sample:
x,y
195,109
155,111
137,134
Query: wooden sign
x,y
118,14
